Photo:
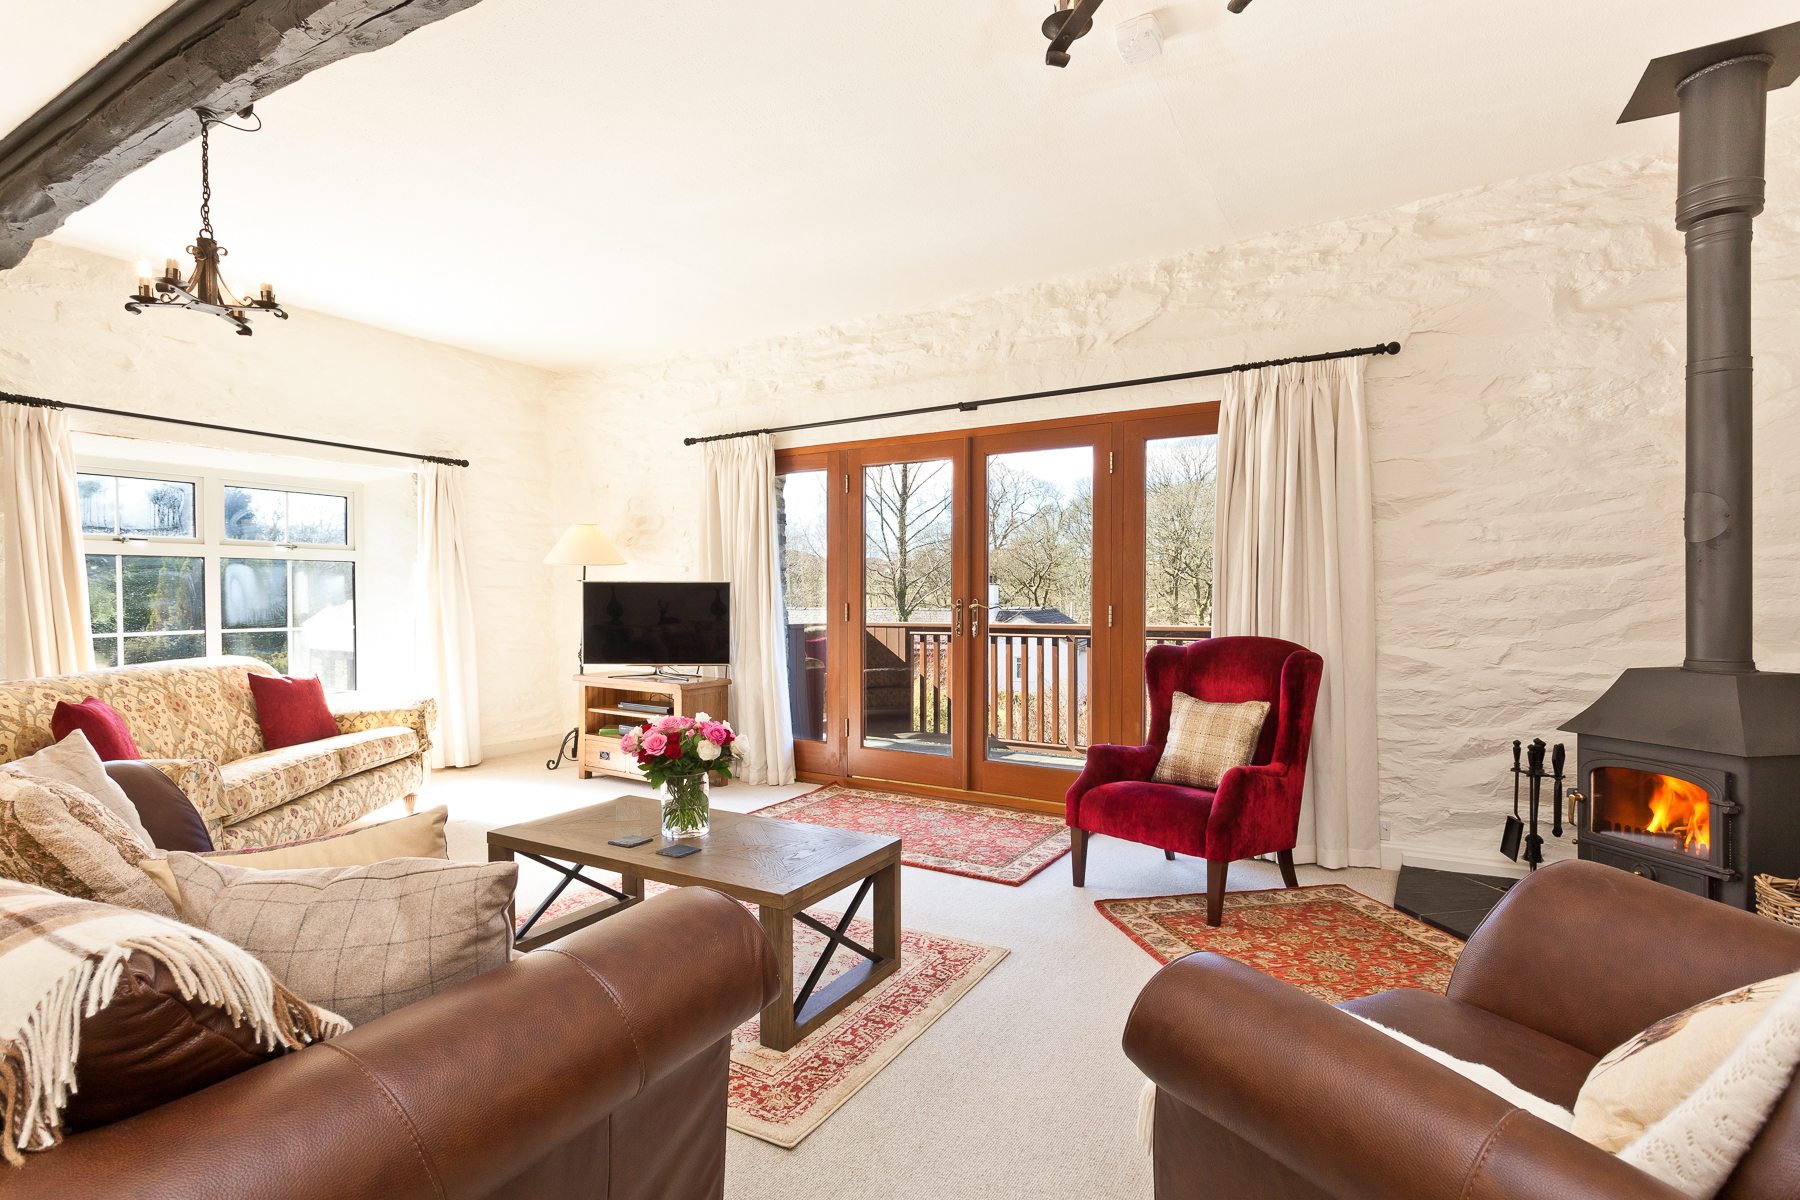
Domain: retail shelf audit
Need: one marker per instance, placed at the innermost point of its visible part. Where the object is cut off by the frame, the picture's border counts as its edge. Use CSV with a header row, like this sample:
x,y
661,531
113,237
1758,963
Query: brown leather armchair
x,y
592,1069
1264,1093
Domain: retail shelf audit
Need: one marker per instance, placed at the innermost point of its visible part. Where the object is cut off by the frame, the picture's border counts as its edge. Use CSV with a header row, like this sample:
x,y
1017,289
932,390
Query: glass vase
x,y
686,805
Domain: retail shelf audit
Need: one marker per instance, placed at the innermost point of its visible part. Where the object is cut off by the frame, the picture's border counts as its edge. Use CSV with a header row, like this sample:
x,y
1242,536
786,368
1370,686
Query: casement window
x,y
184,566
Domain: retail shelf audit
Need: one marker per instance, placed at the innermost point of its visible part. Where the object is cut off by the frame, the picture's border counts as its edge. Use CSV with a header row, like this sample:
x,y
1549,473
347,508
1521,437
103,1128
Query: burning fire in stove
x,y
1656,809
1680,808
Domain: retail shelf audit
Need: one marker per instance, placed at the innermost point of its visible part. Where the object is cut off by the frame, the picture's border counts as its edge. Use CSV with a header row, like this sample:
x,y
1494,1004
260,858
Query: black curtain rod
x,y
972,405
36,402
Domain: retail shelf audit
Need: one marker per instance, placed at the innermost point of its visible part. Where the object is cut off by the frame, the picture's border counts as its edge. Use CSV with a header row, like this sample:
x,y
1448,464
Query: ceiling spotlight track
x,y
1071,19
205,289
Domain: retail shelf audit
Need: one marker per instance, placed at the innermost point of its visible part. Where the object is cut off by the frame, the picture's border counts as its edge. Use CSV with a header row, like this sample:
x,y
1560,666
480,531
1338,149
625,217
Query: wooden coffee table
x,y
779,866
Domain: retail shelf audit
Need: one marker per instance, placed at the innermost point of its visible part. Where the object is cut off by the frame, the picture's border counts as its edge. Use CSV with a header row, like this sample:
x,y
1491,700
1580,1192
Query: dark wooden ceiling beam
x,y
138,103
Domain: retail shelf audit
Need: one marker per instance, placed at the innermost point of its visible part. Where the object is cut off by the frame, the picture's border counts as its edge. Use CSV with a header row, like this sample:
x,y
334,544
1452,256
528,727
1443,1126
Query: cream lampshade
x,y
584,546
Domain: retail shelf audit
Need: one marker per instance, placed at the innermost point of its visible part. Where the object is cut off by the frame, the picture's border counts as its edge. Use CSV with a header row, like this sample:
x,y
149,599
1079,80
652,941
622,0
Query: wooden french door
x,y
1041,624
908,535
970,613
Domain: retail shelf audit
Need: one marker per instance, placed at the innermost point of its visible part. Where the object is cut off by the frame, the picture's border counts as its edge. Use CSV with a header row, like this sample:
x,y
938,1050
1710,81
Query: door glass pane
x,y
255,515
1039,614
907,522
800,500
156,508
315,520
1180,478
162,594
253,593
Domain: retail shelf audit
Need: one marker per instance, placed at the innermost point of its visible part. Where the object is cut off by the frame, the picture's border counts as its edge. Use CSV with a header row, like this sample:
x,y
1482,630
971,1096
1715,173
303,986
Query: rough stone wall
x,y
65,335
1527,444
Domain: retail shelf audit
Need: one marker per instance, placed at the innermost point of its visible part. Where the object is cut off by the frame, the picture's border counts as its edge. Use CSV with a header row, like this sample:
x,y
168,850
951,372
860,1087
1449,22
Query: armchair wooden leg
x,y
1285,860
1169,855
1215,890
1078,840
411,801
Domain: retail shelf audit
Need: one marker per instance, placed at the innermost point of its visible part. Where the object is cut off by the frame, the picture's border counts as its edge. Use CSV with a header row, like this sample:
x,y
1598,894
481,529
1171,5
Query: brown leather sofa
x,y
1264,1093
591,1069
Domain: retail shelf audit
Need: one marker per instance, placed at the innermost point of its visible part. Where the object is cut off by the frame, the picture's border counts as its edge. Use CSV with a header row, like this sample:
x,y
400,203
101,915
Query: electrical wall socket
x,y
1387,830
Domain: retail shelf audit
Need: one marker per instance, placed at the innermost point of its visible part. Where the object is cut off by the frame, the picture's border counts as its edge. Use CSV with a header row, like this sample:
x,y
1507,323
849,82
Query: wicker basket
x,y
1778,899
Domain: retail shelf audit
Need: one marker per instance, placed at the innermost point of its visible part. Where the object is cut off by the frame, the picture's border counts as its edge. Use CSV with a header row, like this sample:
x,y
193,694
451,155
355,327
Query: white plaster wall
x,y
1527,444
65,335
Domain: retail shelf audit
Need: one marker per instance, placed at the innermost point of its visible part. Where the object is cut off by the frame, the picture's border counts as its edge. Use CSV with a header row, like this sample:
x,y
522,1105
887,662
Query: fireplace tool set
x,y
1532,774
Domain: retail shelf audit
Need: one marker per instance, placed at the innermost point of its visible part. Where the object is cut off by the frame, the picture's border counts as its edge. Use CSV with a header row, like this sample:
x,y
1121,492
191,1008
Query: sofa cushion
x,y
372,748
361,941
291,710
169,818
53,836
263,781
420,835
73,761
1534,1061
106,730
332,807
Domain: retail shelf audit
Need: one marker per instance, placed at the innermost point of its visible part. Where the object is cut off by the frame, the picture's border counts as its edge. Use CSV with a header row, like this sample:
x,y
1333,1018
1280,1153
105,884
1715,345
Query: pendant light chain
x,y
206,229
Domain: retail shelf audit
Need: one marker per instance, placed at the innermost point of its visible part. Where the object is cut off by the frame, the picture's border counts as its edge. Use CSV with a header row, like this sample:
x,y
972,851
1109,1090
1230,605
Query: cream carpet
x,y
1018,1091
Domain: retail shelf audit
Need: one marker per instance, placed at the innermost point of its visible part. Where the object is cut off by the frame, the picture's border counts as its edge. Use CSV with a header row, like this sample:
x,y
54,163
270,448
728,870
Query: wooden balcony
x,y
1036,676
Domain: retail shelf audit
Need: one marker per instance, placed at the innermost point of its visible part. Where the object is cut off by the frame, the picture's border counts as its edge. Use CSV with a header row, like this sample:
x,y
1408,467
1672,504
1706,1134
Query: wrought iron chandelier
x,y
205,289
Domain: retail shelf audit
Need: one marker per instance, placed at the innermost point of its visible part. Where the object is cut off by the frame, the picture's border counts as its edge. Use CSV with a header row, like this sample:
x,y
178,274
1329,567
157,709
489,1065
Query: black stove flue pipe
x,y
1719,194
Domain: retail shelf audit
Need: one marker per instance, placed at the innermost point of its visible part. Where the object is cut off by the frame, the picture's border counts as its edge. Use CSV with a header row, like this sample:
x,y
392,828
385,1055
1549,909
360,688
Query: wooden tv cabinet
x,y
597,708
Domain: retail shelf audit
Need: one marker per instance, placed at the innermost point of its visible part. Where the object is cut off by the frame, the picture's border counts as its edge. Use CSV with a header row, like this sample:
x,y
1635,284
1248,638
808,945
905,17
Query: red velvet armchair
x,y
1256,809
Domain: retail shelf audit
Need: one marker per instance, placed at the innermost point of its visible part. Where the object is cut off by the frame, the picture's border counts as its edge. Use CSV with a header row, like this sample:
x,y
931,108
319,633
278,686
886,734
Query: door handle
x,y
956,619
976,608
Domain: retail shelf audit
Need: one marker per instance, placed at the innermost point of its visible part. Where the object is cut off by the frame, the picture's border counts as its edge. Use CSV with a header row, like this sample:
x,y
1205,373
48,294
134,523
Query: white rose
x,y
701,717
707,751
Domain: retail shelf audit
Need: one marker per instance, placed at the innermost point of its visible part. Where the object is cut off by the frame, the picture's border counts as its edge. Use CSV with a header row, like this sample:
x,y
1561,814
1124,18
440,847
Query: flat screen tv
x,y
656,624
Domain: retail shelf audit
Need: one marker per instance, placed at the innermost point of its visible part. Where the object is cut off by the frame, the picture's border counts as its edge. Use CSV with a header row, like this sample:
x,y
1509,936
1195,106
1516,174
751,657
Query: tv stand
x,y
597,707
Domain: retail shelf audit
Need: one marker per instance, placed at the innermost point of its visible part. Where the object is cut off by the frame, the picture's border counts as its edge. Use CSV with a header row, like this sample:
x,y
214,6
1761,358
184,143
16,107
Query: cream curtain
x,y
46,577
446,619
1295,559
739,545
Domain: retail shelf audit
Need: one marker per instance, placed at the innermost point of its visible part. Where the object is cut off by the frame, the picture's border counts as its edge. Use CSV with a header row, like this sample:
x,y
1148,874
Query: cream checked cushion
x,y
360,941
1640,1082
1206,740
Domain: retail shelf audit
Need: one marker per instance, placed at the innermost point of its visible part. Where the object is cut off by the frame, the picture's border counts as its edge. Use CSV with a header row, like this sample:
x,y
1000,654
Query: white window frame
x,y
211,546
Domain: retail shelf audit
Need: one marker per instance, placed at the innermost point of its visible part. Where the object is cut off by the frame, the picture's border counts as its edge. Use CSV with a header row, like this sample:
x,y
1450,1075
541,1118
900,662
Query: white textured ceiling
x,y
45,46
570,183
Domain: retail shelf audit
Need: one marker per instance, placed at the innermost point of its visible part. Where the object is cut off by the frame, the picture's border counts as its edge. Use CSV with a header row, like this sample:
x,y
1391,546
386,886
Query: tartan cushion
x,y
1206,740
361,941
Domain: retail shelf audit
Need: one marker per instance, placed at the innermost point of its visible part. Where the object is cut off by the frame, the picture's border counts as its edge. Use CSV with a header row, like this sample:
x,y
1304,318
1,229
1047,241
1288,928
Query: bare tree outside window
x,y
906,534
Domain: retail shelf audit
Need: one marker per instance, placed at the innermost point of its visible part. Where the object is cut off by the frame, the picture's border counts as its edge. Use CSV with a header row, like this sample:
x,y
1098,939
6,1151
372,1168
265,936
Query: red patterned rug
x,y
781,1097
1331,941
1000,845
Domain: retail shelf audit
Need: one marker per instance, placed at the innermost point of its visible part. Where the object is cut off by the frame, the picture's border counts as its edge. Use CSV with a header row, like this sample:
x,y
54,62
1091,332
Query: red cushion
x,y
291,710
106,730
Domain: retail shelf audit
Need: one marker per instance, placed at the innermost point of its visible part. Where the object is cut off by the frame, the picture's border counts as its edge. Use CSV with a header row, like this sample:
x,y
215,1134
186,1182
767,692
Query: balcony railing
x,y
1037,678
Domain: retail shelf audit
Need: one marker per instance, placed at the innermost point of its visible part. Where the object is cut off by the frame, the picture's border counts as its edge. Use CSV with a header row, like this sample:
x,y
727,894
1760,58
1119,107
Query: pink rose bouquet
x,y
681,746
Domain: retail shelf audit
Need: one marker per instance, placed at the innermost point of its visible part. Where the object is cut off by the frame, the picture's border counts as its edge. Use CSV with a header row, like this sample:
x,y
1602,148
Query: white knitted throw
x,y
1699,1143
61,961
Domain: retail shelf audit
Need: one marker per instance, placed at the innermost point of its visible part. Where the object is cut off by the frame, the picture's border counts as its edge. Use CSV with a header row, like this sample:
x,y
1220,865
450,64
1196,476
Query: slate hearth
x,y
1449,900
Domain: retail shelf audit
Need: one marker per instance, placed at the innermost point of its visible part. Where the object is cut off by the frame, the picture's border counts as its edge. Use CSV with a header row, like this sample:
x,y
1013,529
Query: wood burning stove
x,y
1691,774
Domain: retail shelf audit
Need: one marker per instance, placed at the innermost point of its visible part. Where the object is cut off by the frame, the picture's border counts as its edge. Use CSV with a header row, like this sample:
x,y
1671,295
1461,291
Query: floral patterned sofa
x,y
195,721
